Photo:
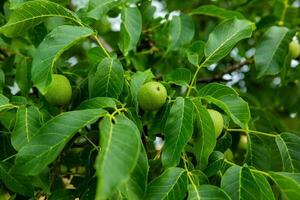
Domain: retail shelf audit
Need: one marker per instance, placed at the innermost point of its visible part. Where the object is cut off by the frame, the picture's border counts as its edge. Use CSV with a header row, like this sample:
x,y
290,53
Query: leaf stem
x,y
281,21
252,170
101,46
184,158
252,131
191,85
6,159
91,142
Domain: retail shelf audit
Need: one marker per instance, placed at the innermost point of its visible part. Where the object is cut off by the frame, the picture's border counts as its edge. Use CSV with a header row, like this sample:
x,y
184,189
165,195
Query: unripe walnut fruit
x,y
294,48
217,120
60,91
152,96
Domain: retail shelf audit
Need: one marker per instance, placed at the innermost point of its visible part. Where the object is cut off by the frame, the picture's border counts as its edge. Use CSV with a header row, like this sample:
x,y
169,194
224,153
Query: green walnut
x,y
243,143
152,96
294,48
218,121
228,155
59,92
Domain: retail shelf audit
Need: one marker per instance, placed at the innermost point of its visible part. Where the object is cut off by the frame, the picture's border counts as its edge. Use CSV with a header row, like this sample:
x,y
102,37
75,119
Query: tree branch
x,y
219,77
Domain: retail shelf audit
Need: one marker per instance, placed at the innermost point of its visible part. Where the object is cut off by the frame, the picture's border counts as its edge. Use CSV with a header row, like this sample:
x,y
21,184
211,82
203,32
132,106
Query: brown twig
x,y
219,77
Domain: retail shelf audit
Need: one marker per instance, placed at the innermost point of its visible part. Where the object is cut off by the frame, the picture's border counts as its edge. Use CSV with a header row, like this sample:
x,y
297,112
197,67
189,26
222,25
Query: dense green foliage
x,y
131,119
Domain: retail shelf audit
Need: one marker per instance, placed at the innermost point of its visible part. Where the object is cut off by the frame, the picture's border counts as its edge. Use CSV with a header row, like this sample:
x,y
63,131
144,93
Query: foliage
x,y
229,56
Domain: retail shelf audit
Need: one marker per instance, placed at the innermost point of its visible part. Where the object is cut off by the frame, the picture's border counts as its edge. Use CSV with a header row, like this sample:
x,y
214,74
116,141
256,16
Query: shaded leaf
x,y
272,50
181,31
196,52
179,76
216,161
16,183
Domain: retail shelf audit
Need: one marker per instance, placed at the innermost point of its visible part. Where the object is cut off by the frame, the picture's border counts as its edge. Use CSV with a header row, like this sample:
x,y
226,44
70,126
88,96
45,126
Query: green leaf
x,y
224,37
98,8
23,78
205,140
289,184
228,100
207,192
109,79
171,184
120,149
28,121
195,52
288,145
214,11
239,183
216,161
178,131
98,102
16,183
54,44
32,13
135,186
264,186
51,138
4,103
258,154
131,28
179,76
271,51
181,32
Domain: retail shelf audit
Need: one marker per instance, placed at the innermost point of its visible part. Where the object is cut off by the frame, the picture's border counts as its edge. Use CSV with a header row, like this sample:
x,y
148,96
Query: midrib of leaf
x,y
41,16
108,77
26,125
240,182
289,157
172,185
105,151
273,53
181,124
